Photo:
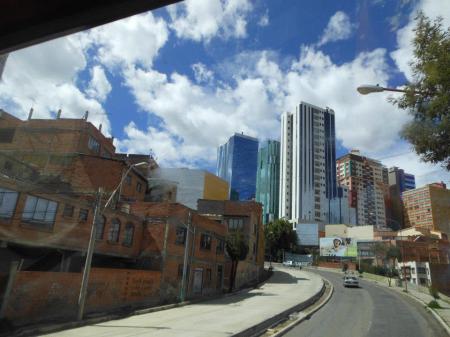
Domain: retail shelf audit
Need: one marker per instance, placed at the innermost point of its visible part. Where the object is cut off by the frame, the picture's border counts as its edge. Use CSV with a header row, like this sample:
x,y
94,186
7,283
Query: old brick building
x,y
51,170
245,216
165,236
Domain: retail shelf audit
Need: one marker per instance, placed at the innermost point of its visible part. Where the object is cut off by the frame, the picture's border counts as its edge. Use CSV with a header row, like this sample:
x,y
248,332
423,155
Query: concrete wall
x,y
38,296
336,230
360,232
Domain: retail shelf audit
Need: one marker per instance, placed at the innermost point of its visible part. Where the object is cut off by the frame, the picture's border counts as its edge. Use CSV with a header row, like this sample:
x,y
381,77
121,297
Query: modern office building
x,y
308,164
186,186
236,164
367,182
341,210
268,179
399,182
428,208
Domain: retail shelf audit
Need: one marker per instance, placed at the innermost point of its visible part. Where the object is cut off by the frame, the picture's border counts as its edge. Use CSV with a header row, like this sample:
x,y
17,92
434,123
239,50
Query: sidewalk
x,y
221,317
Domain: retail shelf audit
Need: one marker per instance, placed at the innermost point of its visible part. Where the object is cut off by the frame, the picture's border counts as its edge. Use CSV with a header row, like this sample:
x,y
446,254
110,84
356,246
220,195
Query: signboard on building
x,y
308,234
338,246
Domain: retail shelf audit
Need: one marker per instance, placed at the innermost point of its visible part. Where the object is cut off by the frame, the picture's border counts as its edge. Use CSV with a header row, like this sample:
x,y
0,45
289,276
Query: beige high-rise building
x,y
367,181
428,208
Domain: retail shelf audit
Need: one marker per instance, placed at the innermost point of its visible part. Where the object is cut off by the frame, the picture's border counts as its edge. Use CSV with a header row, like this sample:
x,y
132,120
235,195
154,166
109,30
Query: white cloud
x,y
404,52
339,28
202,74
201,20
99,86
264,20
201,117
43,77
135,40
426,173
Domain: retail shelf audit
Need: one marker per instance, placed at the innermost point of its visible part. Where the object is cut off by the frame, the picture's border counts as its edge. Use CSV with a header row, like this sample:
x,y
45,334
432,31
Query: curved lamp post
x,y
366,89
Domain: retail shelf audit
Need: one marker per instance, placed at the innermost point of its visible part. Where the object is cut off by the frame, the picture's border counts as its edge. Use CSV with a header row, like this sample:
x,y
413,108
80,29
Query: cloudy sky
x,y
179,81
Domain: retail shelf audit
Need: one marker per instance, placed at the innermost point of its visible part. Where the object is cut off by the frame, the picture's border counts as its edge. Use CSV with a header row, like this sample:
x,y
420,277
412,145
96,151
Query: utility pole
x,y
89,253
185,262
403,267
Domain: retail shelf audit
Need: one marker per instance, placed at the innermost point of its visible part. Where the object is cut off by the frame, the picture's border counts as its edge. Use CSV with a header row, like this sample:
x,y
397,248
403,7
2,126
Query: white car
x,y
351,281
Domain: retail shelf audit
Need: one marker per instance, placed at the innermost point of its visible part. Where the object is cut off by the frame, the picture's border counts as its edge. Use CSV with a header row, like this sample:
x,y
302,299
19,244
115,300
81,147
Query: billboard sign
x,y
337,246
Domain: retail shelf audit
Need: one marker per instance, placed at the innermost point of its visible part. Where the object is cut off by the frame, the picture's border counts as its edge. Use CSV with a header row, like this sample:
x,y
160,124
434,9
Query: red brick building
x,y
247,217
164,240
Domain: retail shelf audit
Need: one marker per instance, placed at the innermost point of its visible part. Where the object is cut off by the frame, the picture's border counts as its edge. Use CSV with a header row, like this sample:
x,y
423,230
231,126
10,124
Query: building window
x,y
100,227
235,224
128,235
205,241
220,246
114,231
40,212
219,276
139,187
128,180
93,144
180,236
68,210
83,215
180,271
8,200
208,276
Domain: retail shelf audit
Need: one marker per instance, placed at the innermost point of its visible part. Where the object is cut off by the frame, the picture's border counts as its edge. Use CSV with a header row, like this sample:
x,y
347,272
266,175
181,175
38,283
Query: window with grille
x,y
205,241
180,236
114,231
100,227
39,212
93,144
83,215
8,201
128,235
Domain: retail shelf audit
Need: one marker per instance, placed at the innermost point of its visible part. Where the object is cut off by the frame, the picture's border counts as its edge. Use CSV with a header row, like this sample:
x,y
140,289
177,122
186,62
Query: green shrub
x,y
434,305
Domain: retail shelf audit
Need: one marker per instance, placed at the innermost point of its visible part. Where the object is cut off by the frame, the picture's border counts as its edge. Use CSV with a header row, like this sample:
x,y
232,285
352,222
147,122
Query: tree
x,y
380,250
279,235
427,97
237,249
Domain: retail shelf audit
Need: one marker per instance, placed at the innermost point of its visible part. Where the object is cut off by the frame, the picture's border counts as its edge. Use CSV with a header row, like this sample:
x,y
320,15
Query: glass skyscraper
x,y
236,163
268,179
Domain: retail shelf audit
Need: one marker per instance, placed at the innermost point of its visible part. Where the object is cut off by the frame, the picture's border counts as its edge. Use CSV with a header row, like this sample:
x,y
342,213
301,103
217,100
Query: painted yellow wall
x,y
215,188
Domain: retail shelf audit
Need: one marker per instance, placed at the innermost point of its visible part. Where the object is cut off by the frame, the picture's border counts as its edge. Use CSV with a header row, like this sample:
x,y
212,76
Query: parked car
x,y
351,281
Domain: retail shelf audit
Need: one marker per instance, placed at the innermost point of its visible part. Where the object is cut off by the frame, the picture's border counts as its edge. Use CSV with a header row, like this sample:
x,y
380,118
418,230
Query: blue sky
x,y
180,80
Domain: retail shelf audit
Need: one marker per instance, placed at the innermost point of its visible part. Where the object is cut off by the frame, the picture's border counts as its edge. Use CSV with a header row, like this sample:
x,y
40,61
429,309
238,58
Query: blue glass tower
x,y
268,179
236,163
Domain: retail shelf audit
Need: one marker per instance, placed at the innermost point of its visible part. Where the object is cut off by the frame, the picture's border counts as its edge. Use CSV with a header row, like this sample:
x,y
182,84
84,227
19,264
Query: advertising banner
x,y
337,246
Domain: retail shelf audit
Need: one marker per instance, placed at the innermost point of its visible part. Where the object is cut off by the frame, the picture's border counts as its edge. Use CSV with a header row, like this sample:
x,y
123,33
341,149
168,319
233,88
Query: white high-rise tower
x,y
308,164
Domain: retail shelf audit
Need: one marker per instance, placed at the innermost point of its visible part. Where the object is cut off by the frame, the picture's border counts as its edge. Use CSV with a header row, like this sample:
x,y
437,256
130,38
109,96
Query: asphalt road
x,y
370,311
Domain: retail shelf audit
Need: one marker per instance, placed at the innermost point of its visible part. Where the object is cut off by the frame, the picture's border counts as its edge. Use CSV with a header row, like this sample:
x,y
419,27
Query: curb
x,y
304,317
434,313
257,329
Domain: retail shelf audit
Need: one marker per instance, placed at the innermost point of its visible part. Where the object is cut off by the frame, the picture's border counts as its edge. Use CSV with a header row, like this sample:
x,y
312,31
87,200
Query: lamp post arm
x,y
117,188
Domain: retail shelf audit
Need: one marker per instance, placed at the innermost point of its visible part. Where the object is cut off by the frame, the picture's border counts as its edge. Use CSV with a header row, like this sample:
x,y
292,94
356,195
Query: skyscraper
x,y
308,164
368,183
268,179
236,163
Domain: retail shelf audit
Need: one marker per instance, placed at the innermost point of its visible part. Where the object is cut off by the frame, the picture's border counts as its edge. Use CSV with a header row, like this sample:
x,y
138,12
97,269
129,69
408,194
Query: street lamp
x,y
366,89
90,250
